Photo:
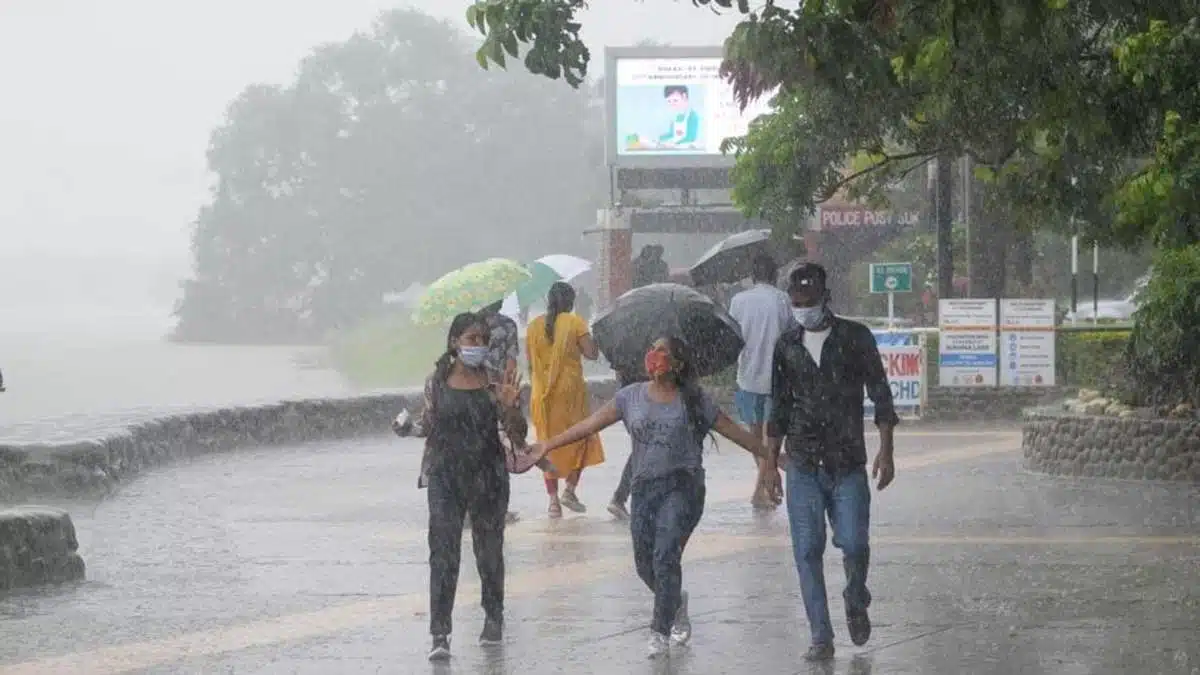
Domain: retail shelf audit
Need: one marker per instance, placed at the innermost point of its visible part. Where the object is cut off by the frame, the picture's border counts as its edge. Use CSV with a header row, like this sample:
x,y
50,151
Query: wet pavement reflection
x,y
313,560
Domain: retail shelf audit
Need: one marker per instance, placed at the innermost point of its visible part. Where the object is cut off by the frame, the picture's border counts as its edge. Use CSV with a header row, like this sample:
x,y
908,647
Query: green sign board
x,y
891,277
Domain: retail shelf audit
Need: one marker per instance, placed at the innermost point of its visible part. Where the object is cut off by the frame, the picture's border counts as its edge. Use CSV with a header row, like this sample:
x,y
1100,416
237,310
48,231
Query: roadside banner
x,y
967,342
903,356
1027,342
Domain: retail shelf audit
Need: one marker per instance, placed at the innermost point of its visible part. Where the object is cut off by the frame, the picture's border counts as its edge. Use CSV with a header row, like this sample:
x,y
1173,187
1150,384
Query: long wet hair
x,y
460,324
559,300
689,385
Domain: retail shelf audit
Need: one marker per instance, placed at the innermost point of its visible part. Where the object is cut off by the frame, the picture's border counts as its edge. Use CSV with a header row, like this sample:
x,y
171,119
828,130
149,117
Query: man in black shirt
x,y
820,369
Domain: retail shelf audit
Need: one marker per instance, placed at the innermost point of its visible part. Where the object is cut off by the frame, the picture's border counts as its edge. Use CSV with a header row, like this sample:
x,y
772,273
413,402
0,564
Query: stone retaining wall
x,y
37,546
986,404
91,455
1113,447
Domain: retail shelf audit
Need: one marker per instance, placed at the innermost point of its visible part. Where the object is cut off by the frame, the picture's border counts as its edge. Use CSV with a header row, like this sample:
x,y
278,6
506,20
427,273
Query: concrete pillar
x,y
614,273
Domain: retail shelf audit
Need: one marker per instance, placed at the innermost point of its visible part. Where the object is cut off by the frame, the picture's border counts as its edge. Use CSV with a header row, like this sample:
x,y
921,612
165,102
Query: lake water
x,y
66,360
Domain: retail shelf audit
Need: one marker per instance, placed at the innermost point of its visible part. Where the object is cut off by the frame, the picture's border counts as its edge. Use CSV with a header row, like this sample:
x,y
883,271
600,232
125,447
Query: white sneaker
x,y
658,647
681,629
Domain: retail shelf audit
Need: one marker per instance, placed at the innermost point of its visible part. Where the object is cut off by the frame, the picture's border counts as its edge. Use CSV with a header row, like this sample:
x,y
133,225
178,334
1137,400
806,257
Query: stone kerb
x,y
37,546
1066,443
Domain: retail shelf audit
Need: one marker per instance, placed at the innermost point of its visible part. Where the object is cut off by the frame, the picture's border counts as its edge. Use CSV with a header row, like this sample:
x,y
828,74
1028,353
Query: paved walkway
x,y
312,560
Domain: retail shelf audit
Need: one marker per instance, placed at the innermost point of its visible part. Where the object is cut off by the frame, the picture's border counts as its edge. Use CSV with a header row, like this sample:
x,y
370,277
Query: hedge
x,y
1093,359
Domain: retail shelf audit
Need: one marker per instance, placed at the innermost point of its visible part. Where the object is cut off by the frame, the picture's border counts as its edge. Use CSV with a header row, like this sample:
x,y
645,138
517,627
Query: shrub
x,y
1093,359
1163,355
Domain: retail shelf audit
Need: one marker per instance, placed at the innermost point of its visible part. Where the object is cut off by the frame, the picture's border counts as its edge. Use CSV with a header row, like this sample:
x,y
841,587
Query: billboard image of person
x,y
661,118
674,106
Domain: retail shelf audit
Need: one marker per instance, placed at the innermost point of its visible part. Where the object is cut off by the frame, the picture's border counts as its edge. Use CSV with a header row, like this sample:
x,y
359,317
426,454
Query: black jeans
x,y
665,512
483,494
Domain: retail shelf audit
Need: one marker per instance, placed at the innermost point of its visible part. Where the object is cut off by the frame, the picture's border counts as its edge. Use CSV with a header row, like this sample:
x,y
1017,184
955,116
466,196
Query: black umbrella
x,y
732,259
625,333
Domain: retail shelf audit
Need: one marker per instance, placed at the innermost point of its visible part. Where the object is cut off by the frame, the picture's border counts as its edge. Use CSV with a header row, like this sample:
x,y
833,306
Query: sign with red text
x,y
904,363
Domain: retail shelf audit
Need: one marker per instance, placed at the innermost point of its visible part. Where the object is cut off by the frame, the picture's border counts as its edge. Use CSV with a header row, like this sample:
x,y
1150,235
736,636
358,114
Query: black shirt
x,y
819,409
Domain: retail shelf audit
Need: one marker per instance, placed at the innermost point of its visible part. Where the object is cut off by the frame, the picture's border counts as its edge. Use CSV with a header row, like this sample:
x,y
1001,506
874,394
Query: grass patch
x,y
387,351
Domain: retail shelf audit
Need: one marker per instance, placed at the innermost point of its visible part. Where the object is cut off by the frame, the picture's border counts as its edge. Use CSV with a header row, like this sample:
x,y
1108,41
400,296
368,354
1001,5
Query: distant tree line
x,y
391,158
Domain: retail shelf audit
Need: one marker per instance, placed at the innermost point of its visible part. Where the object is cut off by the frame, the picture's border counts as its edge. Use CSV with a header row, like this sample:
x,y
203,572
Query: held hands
x,y
770,482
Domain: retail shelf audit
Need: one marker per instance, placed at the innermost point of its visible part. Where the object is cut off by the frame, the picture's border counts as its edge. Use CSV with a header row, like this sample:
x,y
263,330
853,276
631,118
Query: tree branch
x,y
888,160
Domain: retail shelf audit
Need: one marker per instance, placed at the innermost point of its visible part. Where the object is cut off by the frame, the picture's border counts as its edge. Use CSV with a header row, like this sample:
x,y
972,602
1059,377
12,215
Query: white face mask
x,y
809,317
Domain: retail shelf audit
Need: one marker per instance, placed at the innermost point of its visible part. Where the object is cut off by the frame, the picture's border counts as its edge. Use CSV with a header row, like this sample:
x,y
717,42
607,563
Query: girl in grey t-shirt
x,y
667,419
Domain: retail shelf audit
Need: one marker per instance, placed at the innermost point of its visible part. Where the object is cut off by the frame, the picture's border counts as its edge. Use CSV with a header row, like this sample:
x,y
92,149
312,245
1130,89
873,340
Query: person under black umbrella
x,y
668,419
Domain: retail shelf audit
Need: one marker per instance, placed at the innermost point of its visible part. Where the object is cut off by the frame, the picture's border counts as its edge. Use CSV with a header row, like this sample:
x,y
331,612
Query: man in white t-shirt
x,y
764,312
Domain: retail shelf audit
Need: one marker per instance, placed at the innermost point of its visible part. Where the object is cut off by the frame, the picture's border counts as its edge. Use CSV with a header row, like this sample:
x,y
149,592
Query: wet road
x,y
312,560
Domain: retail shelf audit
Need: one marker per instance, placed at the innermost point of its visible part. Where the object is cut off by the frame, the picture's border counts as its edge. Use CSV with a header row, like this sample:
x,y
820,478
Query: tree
x,y
391,158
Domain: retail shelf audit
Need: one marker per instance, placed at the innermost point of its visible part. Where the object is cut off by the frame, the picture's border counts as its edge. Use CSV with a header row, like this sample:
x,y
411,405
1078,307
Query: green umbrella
x,y
469,289
538,284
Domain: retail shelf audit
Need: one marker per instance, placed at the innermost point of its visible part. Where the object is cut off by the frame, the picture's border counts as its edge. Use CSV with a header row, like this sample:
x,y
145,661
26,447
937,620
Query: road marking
x,y
136,656
131,657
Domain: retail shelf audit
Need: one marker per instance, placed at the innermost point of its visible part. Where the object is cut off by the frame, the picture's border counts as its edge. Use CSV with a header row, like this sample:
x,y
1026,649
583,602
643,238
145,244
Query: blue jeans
x,y
813,494
665,512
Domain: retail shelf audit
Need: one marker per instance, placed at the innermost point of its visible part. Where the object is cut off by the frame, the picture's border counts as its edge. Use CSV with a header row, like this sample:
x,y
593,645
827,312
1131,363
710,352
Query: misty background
x,y
108,116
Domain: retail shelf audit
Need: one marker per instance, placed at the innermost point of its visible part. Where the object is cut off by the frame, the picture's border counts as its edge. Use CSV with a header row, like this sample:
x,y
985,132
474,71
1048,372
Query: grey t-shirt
x,y
663,439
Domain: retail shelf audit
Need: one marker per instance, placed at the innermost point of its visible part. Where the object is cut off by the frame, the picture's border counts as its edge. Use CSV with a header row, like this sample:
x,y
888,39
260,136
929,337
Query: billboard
x,y
668,107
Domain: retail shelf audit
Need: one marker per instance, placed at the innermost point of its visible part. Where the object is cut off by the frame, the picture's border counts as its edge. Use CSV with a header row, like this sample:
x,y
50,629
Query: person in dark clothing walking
x,y
649,266
668,419
464,472
819,371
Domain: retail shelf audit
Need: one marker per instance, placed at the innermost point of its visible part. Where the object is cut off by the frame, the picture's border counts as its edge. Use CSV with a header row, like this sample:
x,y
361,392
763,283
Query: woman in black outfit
x,y
464,471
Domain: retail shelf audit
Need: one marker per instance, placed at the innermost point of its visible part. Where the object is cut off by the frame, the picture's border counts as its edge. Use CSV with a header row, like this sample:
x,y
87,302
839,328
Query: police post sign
x,y
904,362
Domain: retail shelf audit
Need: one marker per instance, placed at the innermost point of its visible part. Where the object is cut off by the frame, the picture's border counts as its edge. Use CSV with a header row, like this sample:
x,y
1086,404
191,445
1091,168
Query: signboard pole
x,y
1074,280
891,310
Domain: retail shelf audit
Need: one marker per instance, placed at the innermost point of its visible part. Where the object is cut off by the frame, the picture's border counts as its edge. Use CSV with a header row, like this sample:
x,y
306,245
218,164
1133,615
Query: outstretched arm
x,y
738,434
598,421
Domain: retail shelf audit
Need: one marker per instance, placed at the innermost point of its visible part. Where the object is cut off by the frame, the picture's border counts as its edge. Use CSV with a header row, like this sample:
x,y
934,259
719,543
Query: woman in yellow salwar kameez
x,y
556,344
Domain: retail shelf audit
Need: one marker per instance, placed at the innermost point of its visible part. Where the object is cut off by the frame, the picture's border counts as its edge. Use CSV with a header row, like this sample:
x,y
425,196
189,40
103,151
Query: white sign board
x,y
904,362
1027,343
967,342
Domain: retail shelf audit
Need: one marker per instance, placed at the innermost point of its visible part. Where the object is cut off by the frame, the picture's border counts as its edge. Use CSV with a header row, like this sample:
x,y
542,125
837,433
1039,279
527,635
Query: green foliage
x,y
387,352
1164,351
1094,360
388,160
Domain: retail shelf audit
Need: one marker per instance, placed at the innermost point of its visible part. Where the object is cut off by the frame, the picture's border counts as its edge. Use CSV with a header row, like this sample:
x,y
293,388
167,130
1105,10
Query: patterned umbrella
x,y
468,289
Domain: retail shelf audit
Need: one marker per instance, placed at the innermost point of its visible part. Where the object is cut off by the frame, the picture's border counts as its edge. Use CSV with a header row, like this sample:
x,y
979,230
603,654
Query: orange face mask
x,y
657,363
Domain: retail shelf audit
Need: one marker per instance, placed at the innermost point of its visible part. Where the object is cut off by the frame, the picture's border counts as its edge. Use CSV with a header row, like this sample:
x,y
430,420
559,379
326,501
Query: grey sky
x,y
108,104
